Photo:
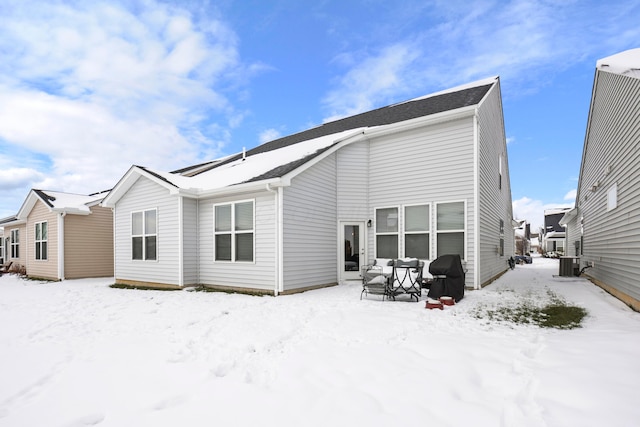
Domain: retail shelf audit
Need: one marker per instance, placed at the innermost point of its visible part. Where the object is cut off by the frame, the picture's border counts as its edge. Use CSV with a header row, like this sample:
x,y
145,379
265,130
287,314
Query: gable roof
x,y
419,107
275,160
56,201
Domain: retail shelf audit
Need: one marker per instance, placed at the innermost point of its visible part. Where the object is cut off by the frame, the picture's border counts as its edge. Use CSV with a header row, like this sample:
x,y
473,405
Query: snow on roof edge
x,y
477,83
625,63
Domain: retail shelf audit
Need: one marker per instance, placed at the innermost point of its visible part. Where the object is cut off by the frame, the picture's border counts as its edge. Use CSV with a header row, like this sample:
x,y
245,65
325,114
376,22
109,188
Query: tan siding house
x,y
14,238
61,236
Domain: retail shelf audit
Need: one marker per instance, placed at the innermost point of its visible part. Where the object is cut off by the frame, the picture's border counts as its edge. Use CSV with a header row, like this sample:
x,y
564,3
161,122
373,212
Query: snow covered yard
x,y
80,353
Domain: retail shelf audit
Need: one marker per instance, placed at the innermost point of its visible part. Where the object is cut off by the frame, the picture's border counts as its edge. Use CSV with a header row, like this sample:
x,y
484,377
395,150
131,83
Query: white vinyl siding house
x,y
258,274
606,219
148,196
309,224
494,191
426,166
399,181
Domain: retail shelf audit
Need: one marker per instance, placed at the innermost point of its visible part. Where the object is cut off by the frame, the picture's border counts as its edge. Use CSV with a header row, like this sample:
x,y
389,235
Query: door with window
x,y
352,250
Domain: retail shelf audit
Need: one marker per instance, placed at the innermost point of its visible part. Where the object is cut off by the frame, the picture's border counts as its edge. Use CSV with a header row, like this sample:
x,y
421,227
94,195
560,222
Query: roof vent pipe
x,y
244,154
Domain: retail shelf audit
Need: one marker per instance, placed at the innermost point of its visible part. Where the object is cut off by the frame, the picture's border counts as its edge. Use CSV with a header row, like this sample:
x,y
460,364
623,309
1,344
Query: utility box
x,y
569,266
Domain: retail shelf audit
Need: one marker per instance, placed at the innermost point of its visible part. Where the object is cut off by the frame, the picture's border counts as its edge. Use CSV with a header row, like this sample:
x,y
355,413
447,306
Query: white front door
x,y
352,250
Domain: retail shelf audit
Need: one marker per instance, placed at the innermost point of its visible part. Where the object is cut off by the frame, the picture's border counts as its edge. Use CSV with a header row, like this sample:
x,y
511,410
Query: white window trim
x,y
429,232
143,235
233,231
36,241
387,233
463,230
14,244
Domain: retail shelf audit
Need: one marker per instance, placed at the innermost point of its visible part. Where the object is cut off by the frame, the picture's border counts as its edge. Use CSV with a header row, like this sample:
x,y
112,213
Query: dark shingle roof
x,y
45,197
382,116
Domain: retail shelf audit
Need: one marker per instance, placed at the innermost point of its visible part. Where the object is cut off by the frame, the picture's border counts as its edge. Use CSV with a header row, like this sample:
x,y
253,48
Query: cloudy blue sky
x,y
89,88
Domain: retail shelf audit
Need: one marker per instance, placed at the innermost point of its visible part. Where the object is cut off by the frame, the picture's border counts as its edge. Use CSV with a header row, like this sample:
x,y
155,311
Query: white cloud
x,y
571,195
533,210
370,81
524,41
269,135
95,87
18,177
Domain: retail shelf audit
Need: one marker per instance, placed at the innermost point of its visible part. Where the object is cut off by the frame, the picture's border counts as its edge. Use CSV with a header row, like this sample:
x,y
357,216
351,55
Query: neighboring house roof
x,y
626,63
10,220
60,202
282,157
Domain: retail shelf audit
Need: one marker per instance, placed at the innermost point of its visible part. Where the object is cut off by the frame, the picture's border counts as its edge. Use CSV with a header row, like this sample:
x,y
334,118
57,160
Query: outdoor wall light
x,y
369,223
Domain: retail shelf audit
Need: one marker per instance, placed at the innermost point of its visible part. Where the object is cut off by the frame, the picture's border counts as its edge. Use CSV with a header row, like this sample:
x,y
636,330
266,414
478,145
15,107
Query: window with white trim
x,y
144,235
417,239
450,228
2,248
387,233
234,229
15,243
41,240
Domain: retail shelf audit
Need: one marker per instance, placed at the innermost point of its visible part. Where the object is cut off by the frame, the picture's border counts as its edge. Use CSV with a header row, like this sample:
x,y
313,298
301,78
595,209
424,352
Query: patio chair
x,y
375,277
5,267
406,279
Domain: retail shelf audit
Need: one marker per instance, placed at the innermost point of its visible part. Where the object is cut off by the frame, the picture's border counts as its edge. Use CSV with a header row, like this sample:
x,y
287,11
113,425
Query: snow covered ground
x,y
79,353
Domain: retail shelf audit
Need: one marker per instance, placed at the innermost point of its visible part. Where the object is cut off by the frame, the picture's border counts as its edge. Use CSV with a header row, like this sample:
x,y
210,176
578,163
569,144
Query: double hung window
x,y
144,235
15,243
234,226
387,233
450,230
41,241
416,231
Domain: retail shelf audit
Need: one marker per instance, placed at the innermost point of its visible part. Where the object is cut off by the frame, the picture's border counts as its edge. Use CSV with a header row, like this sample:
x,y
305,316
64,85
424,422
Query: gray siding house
x,y
604,227
418,179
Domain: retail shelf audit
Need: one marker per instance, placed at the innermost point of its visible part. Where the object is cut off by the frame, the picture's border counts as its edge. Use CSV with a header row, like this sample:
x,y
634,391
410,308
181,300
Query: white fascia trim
x,y
246,187
71,211
339,143
566,218
384,130
418,122
127,182
28,204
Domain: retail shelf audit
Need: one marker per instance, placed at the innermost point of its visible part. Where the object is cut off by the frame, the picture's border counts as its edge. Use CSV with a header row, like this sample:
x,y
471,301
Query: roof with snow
x,y
451,99
276,159
60,202
626,63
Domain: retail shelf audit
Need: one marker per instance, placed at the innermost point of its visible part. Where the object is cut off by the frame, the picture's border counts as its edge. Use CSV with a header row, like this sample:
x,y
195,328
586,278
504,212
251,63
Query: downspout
x,y
61,245
197,242
113,225
476,210
180,242
278,283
